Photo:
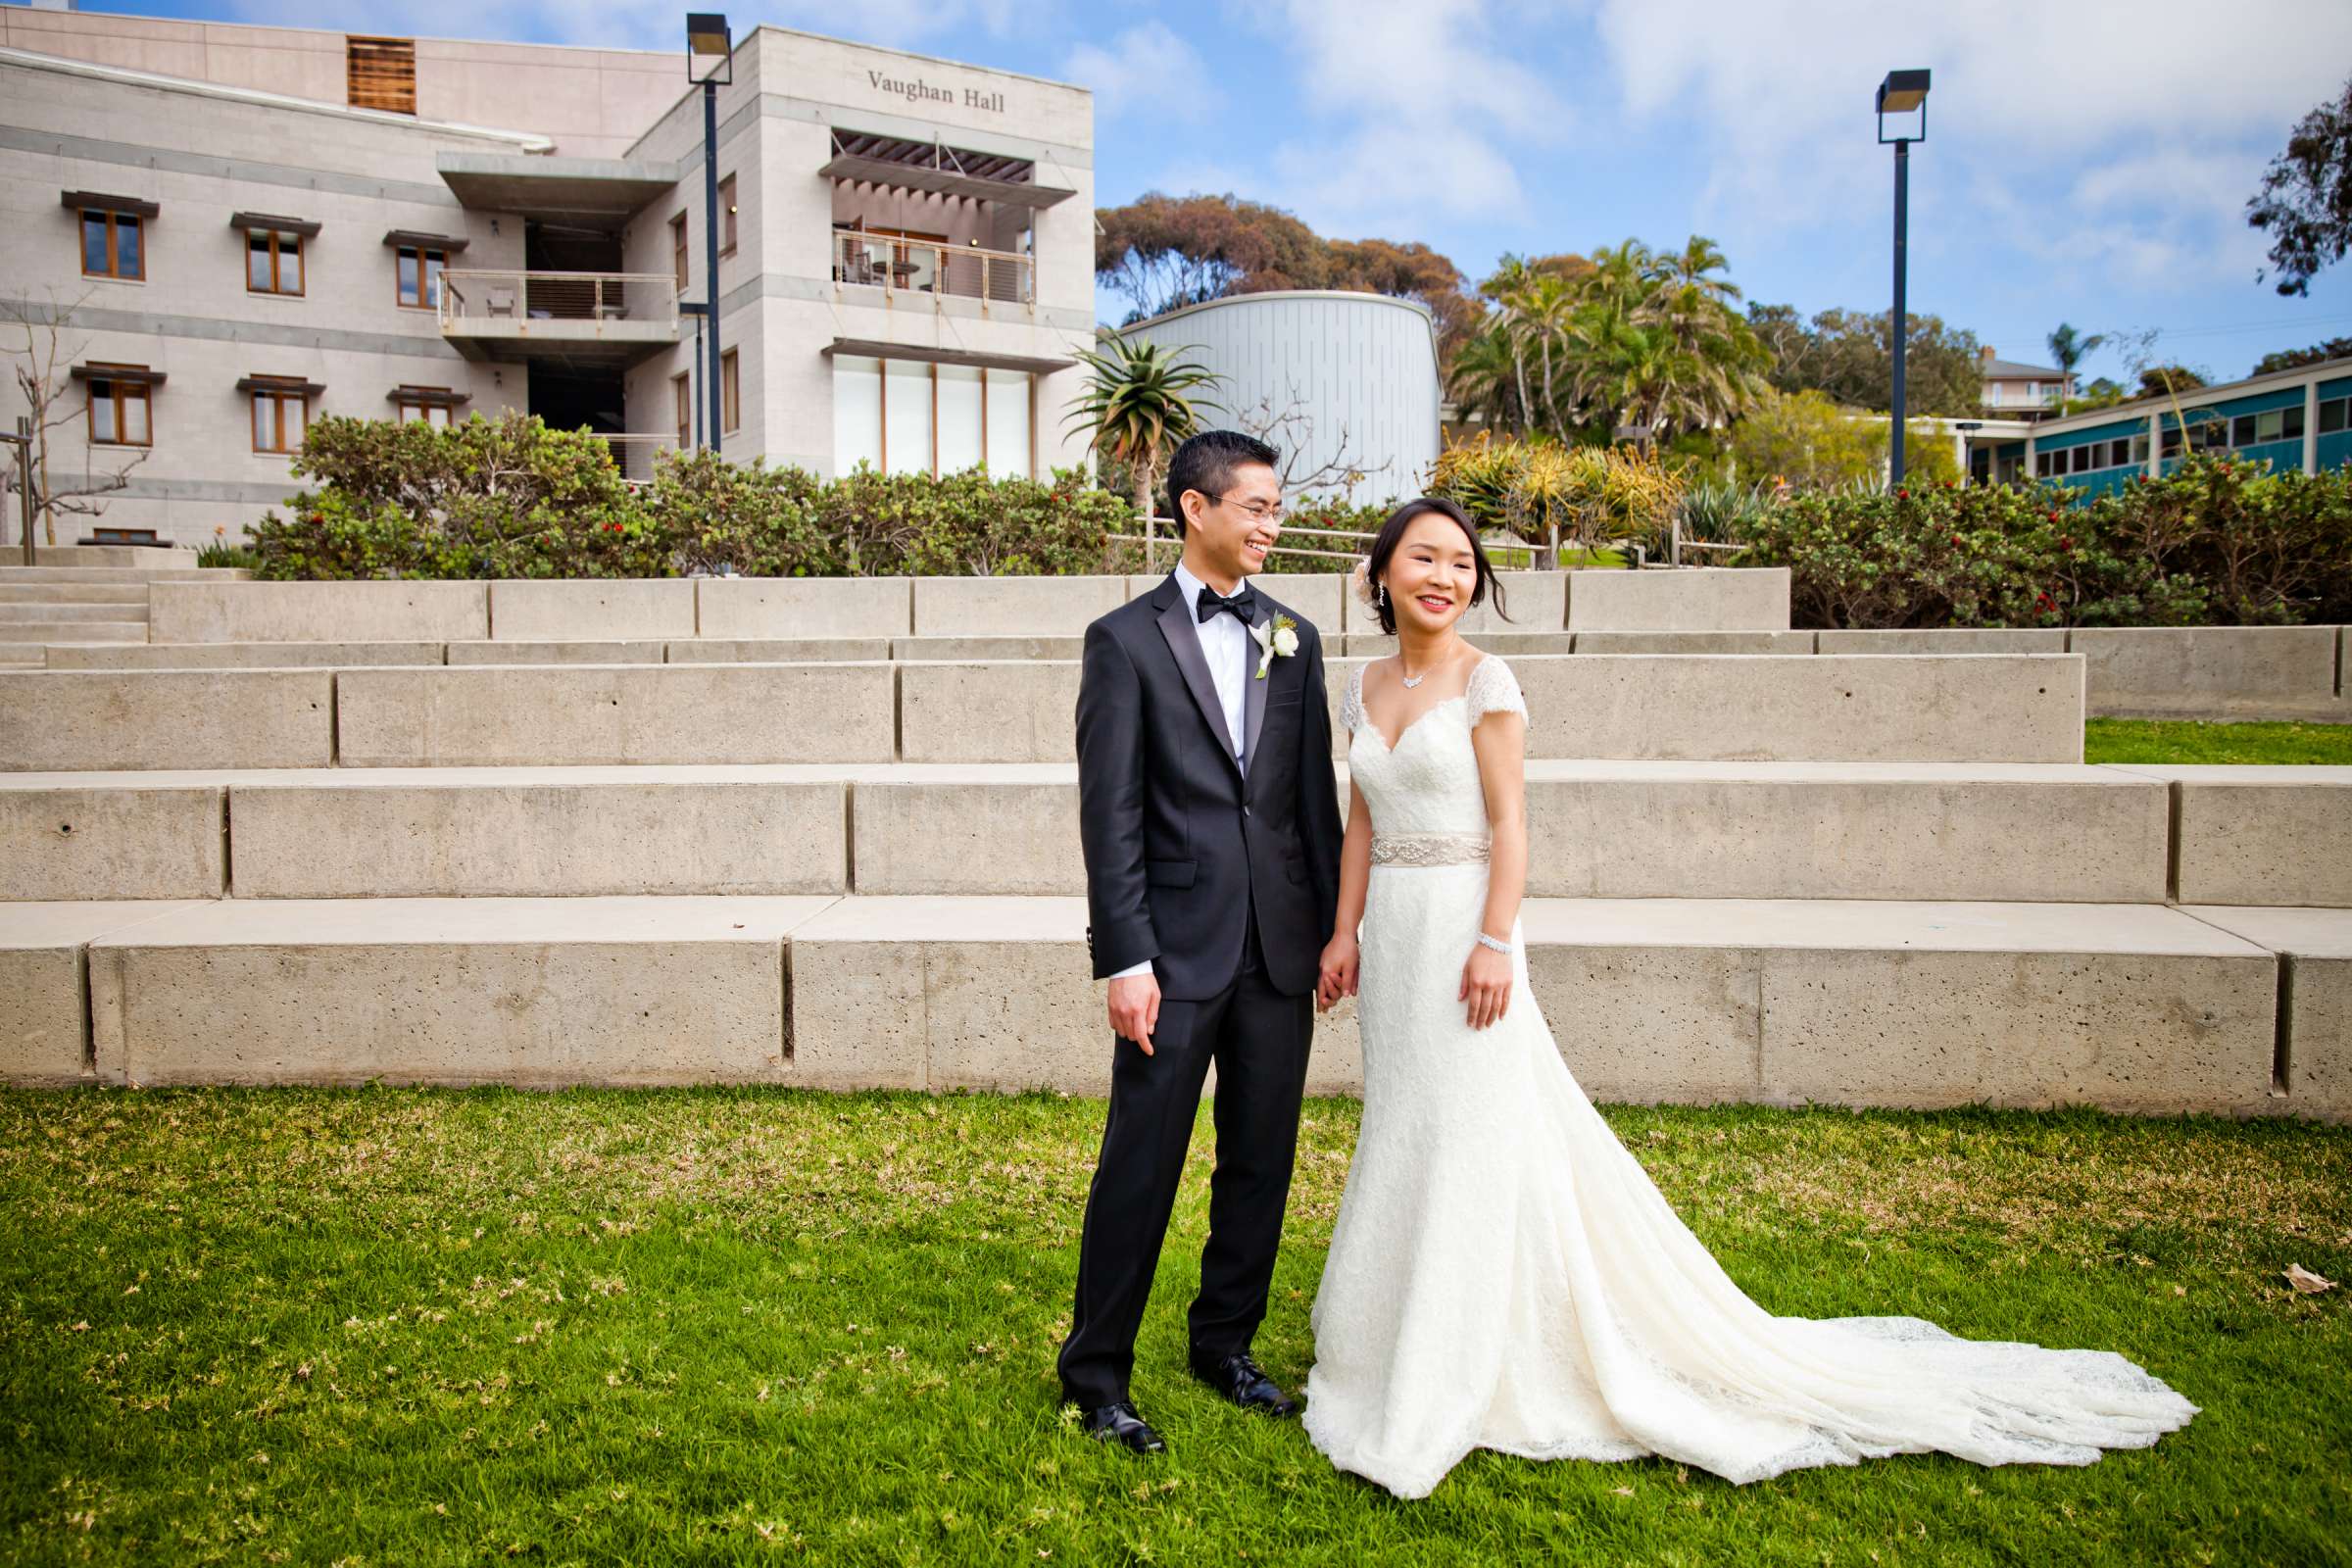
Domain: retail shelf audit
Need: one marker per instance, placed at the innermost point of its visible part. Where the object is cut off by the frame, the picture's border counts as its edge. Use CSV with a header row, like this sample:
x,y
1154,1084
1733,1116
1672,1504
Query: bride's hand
x,y
1486,985
1339,972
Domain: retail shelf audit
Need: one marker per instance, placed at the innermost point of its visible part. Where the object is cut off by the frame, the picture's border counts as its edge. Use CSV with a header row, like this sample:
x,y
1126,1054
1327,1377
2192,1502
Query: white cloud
x,y
1402,111
1147,71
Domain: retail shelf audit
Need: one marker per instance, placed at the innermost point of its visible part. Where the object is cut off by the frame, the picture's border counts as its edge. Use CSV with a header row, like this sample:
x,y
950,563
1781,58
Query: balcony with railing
x,y
932,268
594,318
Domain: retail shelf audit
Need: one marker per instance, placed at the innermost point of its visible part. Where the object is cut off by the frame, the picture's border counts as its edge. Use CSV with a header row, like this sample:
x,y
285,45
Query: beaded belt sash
x,y
1429,849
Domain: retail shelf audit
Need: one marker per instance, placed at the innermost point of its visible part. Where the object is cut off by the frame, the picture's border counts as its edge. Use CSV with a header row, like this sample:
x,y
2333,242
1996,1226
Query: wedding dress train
x,y
1504,1275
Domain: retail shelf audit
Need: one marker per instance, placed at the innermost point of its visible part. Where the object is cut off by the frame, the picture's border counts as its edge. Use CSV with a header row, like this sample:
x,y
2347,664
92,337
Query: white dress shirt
x,y
1229,651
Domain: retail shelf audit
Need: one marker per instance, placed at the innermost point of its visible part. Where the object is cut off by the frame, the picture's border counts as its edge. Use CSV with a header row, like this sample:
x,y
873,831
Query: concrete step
x,y
2134,1008
123,575
2054,833
78,630
2026,709
72,593
22,613
138,558
246,656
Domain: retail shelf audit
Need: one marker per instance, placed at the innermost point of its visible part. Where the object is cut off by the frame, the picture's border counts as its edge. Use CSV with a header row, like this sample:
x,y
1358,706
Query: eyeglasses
x,y
1255,511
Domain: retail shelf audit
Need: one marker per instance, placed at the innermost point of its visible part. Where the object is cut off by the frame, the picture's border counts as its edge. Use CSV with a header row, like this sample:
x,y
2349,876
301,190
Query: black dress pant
x,y
1259,1039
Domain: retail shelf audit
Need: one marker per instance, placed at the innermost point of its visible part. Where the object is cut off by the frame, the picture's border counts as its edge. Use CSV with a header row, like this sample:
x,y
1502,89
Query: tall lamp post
x,y
1903,92
711,60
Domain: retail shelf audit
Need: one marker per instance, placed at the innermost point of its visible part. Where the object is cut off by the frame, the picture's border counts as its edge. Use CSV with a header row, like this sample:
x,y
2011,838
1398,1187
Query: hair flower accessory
x,y
1364,581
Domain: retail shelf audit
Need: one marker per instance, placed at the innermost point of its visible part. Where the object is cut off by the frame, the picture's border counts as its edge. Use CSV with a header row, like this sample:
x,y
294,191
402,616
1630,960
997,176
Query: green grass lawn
x,y
2137,740
413,1327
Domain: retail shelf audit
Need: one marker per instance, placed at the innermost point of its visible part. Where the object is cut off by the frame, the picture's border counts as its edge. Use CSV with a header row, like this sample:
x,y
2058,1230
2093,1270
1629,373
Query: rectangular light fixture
x,y
1903,92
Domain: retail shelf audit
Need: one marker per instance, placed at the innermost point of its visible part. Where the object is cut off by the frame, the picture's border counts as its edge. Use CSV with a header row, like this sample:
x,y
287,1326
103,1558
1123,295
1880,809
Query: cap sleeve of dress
x,y
1494,689
1351,705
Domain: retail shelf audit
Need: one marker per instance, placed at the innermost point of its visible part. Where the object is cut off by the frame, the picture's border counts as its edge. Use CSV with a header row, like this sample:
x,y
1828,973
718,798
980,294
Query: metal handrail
x,y
932,266
474,294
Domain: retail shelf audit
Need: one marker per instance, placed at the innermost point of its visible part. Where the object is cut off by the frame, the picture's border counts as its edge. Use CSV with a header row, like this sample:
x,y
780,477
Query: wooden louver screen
x,y
382,74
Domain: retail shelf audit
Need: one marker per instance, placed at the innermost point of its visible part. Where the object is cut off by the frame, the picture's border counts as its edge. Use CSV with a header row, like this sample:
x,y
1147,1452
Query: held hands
x,y
1135,1008
1486,985
1340,970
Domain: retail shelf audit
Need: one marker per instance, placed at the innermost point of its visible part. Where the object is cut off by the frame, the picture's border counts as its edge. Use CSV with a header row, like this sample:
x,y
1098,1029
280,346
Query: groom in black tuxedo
x,y
1212,830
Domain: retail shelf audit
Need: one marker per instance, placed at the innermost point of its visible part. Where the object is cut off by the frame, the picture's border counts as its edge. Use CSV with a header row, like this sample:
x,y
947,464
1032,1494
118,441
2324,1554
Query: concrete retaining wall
x,y
598,610
2212,672
767,608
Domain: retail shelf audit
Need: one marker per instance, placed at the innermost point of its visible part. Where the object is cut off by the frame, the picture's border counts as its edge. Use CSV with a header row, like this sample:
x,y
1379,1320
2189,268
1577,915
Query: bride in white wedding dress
x,y
1502,1273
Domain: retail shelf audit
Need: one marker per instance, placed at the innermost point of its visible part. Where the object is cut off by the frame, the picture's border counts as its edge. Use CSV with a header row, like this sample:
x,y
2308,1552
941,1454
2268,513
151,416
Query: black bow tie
x,y
1243,601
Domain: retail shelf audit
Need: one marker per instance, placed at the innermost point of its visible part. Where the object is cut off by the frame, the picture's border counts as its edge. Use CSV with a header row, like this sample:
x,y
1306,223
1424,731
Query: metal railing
x,y
928,267
633,452
496,296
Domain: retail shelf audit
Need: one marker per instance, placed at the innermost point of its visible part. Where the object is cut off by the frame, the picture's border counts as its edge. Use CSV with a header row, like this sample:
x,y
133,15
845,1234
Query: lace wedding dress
x,y
1504,1275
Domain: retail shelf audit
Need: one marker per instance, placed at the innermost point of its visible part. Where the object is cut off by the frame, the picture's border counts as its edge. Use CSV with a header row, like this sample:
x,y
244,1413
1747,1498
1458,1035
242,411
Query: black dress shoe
x,y
1118,1422
1243,1381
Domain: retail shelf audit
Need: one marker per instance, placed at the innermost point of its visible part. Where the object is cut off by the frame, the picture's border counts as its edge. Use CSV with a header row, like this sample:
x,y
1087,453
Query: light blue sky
x,y
2088,161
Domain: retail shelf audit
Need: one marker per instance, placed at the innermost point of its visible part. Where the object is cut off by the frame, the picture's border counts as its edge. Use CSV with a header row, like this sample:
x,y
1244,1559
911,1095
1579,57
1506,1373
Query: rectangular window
x,y
681,394
726,216
2290,424
677,250
272,262
110,245
857,414
280,415
2172,443
2242,430
2041,465
2140,449
2083,458
962,417
730,393
907,409
118,411
420,276
1009,425
434,414
2119,453
2333,415
380,74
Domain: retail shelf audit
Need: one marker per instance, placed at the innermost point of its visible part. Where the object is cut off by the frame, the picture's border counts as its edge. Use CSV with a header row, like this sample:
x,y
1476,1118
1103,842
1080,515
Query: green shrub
x,y
2217,542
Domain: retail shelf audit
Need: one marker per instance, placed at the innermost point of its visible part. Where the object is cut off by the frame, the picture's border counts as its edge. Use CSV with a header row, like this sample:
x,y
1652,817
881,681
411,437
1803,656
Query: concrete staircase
x,y
93,597
1777,877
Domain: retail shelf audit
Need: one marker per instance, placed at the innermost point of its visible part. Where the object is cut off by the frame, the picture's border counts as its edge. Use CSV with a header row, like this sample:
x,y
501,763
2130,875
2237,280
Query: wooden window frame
x,y
280,397
121,394
426,293
279,241
424,408
114,221
726,214
681,393
730,392
681,263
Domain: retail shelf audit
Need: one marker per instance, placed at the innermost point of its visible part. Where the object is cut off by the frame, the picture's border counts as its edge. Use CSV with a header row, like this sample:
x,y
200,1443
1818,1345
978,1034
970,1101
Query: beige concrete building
x,y
242,228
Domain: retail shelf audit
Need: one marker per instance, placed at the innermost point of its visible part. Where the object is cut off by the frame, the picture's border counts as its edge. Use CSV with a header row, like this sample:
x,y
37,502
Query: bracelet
x,y
1486,941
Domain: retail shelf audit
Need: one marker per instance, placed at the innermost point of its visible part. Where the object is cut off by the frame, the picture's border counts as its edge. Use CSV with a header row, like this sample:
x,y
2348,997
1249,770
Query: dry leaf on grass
x,y
2305,1281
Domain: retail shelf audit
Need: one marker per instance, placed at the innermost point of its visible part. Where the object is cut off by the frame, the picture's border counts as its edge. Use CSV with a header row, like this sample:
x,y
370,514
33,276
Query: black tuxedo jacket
x,y
1179,845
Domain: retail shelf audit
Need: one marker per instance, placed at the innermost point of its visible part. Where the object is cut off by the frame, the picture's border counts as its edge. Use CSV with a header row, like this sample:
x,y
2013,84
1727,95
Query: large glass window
x,y
118,410
110,245
908,417
272,262
2334,415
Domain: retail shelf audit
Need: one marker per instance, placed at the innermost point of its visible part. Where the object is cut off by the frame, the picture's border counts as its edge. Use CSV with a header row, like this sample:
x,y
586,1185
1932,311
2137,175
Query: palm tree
x,y
1138,408
2070,350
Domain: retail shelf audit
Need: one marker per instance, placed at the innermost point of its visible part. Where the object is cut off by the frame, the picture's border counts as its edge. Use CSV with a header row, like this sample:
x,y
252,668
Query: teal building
x,y
2292,420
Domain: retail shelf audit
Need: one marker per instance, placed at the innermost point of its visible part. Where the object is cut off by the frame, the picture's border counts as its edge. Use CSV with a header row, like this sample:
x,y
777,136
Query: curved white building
x,y
1345,384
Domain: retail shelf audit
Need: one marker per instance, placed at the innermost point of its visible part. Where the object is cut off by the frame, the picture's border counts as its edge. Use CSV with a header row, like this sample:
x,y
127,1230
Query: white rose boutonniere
x,y
1278,638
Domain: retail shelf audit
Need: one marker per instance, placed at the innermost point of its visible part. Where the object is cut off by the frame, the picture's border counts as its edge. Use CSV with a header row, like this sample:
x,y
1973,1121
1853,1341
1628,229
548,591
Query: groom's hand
x,y
1135,1008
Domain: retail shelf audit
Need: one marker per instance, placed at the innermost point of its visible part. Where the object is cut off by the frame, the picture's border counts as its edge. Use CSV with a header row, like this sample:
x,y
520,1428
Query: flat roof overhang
x,y
592,192
875,348
902,164
563,341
